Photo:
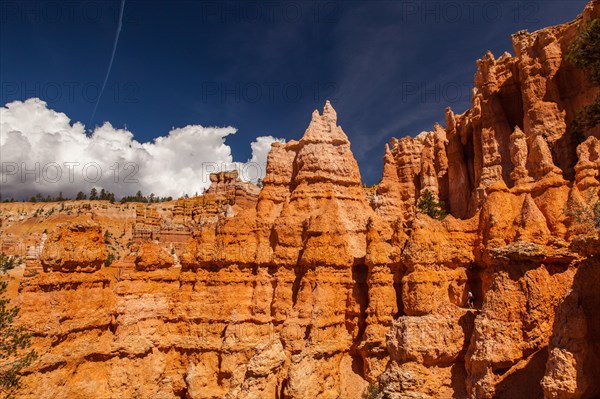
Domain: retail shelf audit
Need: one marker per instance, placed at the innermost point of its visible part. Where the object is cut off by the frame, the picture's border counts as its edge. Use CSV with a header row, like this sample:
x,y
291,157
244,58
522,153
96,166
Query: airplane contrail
x,y
112,58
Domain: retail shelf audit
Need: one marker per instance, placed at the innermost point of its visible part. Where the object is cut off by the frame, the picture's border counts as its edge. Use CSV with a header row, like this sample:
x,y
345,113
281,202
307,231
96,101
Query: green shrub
x,y
585,50
585,54
586,118
371,391
8,262
430,206
109,259
588,215
14,342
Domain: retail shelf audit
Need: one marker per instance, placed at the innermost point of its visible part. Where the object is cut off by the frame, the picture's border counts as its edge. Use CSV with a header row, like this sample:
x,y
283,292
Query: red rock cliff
x,y
309,290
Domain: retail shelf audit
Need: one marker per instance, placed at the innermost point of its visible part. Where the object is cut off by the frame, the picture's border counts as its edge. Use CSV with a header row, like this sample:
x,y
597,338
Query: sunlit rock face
x,y
313,287
522,186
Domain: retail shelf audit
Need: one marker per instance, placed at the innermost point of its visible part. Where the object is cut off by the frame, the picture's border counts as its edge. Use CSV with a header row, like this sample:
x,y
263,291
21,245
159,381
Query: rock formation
x,y
312,289
151,256
525,184
518,153
76,247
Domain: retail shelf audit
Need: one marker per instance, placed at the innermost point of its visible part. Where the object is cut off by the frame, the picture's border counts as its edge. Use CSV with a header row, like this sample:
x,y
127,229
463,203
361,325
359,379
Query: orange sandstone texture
x,y
311,288
517,176
75,247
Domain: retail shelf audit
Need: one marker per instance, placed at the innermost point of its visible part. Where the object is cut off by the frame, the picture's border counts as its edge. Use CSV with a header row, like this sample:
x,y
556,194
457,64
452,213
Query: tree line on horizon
x,y
95,195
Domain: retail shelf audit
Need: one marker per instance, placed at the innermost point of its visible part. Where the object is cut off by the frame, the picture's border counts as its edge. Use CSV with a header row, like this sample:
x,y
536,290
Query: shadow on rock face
x,y
522,383
574,363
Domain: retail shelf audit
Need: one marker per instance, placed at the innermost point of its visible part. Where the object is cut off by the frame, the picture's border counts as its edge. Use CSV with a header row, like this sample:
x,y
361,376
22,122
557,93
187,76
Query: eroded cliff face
x,y
312,288
515,180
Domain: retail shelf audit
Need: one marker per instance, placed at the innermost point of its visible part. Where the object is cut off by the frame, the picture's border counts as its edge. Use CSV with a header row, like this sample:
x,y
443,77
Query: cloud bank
x,y
42,151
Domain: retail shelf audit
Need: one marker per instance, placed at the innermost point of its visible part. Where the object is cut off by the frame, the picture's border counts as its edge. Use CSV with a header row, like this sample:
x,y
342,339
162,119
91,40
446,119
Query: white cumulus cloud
x,y
43,151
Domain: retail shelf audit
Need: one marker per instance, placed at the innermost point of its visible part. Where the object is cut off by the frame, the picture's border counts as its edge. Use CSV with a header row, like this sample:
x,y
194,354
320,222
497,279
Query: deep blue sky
x,y
389,67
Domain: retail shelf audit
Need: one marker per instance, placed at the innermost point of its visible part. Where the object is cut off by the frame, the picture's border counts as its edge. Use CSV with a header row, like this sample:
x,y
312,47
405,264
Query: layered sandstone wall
x,y
513,170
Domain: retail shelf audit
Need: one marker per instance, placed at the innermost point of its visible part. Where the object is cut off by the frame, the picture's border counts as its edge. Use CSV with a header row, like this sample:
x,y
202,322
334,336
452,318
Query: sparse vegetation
x,y
109,259
118,275
596,215
430,206
40,198
370,191
585,54
103,195
585,50
587,118
588,215
8,262
371,391
14,345
139,197
107,236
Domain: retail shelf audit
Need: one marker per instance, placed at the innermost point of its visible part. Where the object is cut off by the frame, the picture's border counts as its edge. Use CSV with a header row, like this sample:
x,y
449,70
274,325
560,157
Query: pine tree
x,y
93,194
14,345
430,206
8,262
585,50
